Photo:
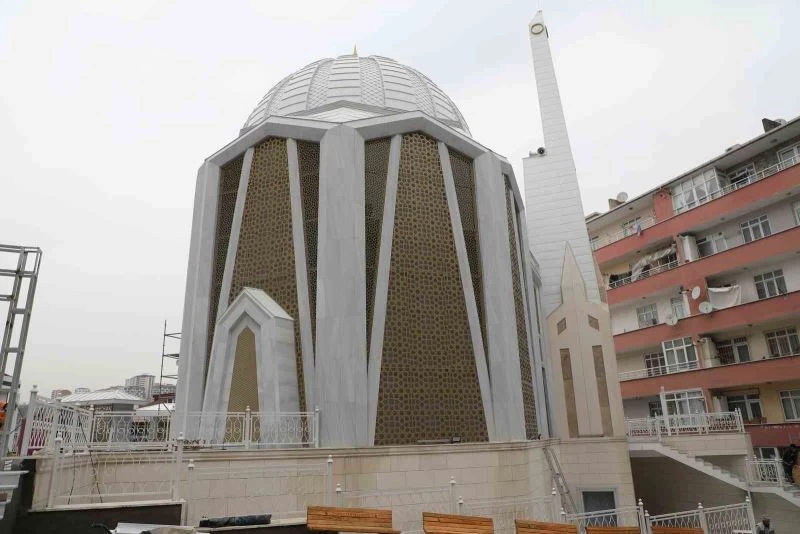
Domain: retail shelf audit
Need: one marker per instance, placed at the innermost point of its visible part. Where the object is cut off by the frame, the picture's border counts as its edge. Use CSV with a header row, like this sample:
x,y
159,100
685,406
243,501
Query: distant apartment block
x,y
702,277
59,393
141,384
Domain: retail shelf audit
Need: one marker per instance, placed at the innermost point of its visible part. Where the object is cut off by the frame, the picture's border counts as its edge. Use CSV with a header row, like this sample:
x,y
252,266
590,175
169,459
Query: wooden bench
x,y
331,519
525,526
613,530
677,530
456,524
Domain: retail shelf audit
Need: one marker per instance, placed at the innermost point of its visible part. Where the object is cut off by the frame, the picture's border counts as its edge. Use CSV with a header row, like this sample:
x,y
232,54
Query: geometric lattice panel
x,y
265,255
376,167
528,397
230,175
244,384
429,383
464,180
308,163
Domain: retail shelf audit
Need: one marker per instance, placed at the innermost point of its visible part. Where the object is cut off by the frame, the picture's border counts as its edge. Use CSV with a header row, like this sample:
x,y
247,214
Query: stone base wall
x,y
264,481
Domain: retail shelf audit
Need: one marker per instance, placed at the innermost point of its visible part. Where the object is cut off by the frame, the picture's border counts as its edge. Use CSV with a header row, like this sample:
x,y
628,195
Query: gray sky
x,y
107,109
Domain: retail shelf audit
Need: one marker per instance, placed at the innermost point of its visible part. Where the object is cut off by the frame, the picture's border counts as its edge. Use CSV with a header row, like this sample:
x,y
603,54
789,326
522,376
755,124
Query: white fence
x,y
87,429
655,428
717,520
658,371
766,473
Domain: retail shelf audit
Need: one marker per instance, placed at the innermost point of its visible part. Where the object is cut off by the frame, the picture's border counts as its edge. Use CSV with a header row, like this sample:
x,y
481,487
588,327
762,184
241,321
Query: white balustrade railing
x,y
644,274
607,239
713,520
86,429
629,516
647,222
766,472
655,428
753,178
660,370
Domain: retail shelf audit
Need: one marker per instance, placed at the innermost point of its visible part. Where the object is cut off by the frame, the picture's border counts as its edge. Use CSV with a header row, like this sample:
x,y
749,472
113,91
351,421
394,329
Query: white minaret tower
x,y
552,198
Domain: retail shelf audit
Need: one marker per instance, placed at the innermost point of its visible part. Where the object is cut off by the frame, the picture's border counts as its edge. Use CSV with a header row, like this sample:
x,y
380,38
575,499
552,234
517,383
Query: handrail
x,y
655,428
660,370
607,239
644,274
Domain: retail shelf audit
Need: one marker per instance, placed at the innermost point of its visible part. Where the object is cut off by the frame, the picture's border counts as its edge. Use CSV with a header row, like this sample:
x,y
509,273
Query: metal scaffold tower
x,y
168,354
19,272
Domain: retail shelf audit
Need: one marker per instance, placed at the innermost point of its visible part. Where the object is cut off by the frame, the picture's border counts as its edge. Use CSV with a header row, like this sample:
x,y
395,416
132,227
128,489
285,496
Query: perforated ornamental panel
x,y
308,156
428,385
376,166
464,179
528,398
226,204
265,256
244,385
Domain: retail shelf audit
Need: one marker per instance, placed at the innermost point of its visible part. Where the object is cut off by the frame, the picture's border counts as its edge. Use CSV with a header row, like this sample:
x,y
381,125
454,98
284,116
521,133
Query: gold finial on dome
x,y
355,50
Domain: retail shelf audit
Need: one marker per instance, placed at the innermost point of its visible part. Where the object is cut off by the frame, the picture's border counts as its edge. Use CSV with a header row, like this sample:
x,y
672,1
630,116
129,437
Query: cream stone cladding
x,y
585,388
481,471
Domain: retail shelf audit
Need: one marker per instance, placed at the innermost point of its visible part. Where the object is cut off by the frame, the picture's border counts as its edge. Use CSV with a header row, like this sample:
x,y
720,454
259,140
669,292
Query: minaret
x,y
552,198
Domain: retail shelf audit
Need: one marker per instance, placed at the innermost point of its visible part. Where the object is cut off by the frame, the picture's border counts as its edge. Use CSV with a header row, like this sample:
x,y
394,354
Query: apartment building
x,y
702,278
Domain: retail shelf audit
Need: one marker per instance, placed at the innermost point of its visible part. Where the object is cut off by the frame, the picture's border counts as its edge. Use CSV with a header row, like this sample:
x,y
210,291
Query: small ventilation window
x,y
562,325
593,322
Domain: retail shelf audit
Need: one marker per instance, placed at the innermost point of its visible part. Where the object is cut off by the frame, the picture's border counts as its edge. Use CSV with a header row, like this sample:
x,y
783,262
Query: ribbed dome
x,y
375,85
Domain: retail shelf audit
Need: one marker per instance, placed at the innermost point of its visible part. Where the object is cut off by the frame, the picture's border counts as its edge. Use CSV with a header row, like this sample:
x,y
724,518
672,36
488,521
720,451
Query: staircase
x,y
559,482
789,492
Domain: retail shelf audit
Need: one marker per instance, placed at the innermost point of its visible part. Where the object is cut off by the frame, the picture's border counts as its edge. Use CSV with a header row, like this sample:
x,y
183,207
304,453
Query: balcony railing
x,y
766,472
695,424
753,178
660,370
644,274
607,239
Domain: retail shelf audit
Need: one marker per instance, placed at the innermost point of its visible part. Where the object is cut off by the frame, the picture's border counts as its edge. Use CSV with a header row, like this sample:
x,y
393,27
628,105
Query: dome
x,y
351,87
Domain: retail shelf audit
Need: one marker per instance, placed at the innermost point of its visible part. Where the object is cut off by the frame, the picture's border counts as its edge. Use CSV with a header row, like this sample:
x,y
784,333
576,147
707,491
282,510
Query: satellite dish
x,y
696,292
706,307
672,320
622,197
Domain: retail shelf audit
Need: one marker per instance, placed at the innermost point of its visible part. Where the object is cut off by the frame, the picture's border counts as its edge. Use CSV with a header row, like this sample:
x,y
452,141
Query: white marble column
x,y
501,325
341,355
192,361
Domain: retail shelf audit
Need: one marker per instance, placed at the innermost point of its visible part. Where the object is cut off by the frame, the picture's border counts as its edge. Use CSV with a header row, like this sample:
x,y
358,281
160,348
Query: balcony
x,y
719,377
674,275
768,183
694,424
607,239
757,311
658,371
645,274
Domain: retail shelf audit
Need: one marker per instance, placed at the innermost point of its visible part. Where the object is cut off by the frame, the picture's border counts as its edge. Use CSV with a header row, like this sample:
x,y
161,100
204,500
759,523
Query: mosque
x,y
356,252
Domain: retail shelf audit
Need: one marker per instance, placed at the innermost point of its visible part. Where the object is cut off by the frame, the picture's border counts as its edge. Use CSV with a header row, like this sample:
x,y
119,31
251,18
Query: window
x,y
742,176
755,229
647,315
770,284
678,307
711,244
655,409
695,191
733,350
655,364
783,342
790,400
766,453
796,209
790,155
679,354
594,242
595,501
685,402
632,227
749,405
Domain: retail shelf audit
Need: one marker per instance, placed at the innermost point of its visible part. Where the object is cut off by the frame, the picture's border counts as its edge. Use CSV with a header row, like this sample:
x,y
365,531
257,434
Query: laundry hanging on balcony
x,y
655,261
725,297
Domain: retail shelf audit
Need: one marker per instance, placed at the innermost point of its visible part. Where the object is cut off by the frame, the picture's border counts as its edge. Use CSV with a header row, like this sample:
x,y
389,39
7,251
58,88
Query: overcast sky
x,y
107,109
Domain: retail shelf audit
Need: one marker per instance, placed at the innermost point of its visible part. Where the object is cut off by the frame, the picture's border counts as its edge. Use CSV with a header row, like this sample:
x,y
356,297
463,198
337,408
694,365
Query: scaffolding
x,y
167,355
19,273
